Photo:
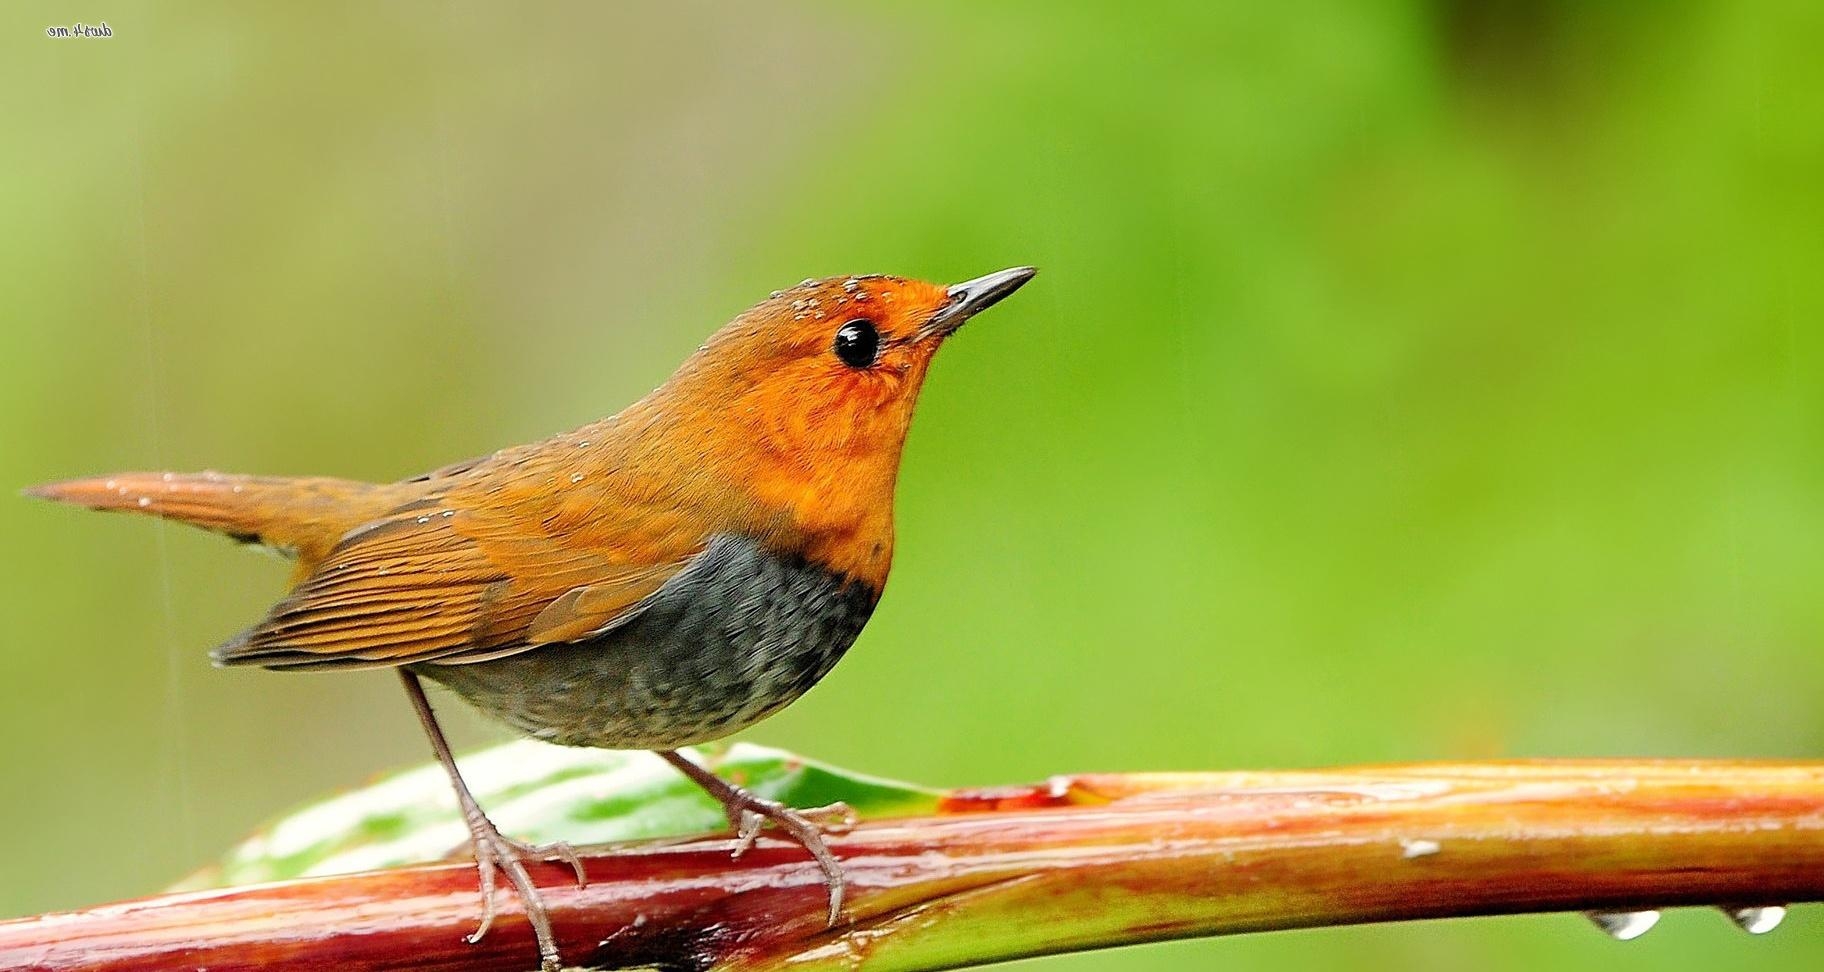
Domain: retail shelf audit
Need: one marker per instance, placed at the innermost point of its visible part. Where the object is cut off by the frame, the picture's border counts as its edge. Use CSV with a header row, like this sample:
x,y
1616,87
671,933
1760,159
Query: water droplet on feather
x,y
1410,848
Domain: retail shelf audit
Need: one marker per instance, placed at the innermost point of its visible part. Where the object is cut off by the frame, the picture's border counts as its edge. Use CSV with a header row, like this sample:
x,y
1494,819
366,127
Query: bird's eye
x,y
857,343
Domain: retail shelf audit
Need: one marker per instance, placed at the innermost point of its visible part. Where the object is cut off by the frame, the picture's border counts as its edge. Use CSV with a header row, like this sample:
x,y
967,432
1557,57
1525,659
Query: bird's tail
x,y
305,516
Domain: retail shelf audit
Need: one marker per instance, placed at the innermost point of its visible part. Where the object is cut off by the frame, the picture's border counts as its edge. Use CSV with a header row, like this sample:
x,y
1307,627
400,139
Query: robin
x,y
659,578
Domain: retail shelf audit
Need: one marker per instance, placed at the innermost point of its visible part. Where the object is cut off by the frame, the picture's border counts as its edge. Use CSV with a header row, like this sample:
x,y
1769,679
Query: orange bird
x,y
662,577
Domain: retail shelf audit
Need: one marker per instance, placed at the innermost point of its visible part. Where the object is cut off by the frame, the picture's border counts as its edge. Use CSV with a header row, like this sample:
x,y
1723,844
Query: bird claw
x,y
748,814
747,826
557,851
833,818
747,819
496,852
486,864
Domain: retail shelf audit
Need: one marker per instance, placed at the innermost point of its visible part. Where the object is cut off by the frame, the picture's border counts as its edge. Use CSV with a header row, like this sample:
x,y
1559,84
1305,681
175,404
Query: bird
x,y
659,578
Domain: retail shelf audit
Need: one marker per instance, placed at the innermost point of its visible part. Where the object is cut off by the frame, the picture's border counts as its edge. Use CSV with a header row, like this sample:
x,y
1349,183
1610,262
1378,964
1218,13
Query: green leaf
x,y
540,793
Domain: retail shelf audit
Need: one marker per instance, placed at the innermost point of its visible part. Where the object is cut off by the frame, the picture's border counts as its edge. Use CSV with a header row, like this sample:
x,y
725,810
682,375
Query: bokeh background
x,y
1405,380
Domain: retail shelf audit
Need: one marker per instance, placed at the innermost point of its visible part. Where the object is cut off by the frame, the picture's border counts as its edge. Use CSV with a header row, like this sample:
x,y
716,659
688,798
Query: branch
x,y
1081,862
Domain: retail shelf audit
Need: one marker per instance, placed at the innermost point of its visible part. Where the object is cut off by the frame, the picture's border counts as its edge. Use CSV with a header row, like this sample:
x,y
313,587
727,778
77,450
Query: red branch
x,y
1081,862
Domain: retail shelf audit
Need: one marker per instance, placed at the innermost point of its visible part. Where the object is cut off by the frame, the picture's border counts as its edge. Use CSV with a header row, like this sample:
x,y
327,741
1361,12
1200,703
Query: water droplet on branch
x,y
1624,926
1756,919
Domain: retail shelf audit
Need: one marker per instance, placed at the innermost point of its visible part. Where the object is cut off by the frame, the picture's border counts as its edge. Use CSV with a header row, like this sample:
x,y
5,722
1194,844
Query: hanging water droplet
x,y
1624,926
1756,919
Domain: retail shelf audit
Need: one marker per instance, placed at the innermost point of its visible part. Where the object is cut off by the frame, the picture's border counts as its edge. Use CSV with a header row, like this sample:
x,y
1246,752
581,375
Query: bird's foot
x,y
495,853
557,851
748,814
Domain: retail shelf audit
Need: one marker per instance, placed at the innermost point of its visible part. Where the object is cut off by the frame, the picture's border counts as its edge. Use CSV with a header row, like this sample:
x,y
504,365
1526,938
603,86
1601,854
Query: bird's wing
x,y
434,582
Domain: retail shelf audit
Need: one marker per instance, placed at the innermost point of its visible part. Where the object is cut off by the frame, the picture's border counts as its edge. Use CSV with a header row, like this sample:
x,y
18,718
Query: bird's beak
x,y
971,297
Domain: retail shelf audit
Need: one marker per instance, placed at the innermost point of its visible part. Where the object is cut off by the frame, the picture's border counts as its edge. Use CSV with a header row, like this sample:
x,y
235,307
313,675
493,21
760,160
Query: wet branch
x,y
1080,862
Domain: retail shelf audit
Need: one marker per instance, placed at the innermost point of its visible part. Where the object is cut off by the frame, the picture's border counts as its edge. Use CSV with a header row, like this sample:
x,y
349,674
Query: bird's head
x,y
810,392
832,367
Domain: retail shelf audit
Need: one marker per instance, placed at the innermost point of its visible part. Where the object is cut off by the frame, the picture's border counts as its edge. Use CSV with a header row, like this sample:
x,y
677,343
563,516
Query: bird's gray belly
x,y
732,638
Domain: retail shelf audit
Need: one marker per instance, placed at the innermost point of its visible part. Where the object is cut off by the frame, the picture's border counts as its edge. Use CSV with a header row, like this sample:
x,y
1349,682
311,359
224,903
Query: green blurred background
x,y
1405,380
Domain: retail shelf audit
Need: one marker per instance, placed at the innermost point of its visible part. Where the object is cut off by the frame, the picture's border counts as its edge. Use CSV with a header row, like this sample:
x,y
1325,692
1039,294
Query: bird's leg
x,y
495,851
747,813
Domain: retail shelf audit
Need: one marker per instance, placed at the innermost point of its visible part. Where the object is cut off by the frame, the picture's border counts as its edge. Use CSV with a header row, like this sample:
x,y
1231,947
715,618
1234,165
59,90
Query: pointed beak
x,y
971,297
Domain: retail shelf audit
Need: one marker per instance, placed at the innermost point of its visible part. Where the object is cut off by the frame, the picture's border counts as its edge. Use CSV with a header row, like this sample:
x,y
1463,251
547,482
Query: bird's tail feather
x,y
301,515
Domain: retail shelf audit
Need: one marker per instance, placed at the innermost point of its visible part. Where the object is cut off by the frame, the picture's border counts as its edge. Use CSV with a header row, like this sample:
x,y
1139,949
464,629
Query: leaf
x,y
539,793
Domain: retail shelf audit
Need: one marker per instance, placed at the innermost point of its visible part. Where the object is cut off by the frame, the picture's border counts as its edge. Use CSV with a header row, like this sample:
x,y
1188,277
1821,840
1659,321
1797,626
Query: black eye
x,y
857,343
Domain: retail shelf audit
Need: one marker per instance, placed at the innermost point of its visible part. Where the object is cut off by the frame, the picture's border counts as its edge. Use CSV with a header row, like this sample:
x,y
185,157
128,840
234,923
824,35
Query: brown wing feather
x,y
583,611
435,582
